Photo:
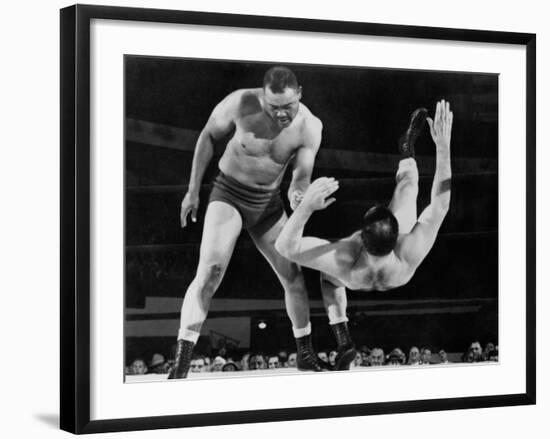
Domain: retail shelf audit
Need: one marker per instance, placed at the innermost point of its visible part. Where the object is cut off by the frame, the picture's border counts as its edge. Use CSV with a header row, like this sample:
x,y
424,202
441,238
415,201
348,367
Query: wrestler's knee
x,y
327,281
292,278
407,172
209,277
407,182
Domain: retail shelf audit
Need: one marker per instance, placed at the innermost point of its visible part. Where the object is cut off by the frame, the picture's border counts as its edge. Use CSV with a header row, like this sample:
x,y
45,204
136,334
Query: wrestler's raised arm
x,y
416,245
304,160
220,122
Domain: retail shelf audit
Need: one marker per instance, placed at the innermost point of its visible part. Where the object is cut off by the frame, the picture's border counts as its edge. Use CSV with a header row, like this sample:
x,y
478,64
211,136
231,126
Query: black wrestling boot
x,y
183,360
306,358
346,347
407,140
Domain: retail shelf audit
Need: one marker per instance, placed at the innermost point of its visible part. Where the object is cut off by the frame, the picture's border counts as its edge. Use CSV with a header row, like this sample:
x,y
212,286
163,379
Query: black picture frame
x,y
75,217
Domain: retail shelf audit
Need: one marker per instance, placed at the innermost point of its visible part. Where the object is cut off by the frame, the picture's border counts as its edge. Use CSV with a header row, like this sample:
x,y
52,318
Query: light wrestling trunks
x,y
260,209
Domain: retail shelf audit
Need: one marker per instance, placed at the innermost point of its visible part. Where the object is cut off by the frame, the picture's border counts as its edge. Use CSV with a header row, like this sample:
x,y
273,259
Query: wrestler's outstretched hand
x,y
316,195
441,124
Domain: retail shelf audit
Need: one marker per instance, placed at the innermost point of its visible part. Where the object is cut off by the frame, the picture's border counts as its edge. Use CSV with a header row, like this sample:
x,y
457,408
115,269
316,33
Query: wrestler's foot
x,y
306,358
345,356
183,360
407,140
346,348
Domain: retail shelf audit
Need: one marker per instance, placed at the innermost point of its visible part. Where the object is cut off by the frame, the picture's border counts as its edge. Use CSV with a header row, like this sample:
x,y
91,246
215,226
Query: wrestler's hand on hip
x,y
441,124
316,195
190,204
295,199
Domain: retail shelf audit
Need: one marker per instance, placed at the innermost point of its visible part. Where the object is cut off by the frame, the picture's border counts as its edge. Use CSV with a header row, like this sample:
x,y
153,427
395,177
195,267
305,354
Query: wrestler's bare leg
x,y
222,226
334,298
296,298
336,301
403,203
288,273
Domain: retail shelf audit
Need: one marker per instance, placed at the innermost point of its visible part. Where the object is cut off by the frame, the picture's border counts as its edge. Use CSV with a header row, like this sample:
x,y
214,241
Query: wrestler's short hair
x,y
278,78
380,231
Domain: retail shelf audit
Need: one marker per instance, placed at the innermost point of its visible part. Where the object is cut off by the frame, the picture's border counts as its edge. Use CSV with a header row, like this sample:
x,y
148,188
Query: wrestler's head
x,y
282,95
380,230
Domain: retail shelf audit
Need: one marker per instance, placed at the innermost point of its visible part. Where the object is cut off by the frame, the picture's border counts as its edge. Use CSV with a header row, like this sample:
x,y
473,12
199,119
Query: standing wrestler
x,y
393,242
272,128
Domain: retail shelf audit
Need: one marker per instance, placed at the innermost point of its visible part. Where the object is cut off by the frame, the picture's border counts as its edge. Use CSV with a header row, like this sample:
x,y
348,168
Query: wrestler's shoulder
x,y
308,117
242,97
245,93
350,246
309,123
245,100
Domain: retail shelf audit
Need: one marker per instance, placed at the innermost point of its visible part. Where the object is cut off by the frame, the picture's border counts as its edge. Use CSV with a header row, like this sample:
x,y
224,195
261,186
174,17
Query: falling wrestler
x,y
393,241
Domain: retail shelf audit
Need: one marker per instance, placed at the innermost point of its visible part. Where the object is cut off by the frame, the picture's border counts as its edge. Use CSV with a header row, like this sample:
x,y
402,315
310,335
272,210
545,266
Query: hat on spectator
x,y
397,355
219,360
230,365
157,360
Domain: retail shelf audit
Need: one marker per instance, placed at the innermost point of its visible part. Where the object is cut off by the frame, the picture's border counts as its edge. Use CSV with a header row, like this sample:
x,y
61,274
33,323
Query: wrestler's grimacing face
x,y
282,107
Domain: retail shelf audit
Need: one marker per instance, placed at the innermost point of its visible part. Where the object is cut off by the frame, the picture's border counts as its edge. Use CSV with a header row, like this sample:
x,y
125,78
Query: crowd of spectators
x,y
366,357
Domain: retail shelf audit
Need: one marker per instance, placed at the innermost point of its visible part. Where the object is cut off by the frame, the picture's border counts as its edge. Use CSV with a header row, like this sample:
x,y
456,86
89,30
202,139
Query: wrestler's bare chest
x,y
255,137
390,274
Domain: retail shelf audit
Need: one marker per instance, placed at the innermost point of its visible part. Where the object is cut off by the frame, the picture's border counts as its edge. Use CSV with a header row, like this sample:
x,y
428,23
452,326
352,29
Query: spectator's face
x,y
470,358
332,357
257,362
244,361
197,365
475,347
358,359
396,357
443,356
414,355
292,359
323,356
139,367
377,357
273,363
426,356
217,365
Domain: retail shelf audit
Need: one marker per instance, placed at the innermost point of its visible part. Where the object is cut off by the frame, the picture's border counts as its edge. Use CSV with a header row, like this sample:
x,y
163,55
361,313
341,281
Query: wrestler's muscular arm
x,y
316,253
415,246
220,122
304,160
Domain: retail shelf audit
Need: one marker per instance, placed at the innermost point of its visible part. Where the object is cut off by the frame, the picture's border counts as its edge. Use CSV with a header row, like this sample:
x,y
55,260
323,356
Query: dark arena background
x,y
451,301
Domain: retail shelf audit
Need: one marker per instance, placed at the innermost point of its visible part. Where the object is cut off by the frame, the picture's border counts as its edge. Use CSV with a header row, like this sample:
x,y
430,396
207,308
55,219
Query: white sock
x,y
189,335
302,332
338,320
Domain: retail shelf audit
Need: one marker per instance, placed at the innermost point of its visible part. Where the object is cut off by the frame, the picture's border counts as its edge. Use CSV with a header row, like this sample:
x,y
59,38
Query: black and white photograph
x,y
284,218
275,219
